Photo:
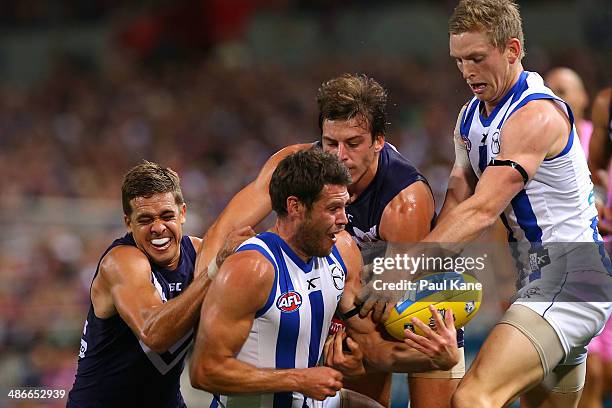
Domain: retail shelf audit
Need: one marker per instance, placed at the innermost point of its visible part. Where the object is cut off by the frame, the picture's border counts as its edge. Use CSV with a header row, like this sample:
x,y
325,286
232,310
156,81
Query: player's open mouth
x,y
161,243
478,88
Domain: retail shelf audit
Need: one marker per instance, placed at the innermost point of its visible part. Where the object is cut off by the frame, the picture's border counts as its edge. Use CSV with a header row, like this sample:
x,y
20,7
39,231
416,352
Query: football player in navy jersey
x,y
144,301
390,201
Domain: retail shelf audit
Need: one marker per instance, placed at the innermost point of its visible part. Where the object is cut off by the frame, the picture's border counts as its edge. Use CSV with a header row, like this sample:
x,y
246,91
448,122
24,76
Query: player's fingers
x,y
424,328
328,351
379,311
418,347
367,306
449,319
437,317
387,312
354,347
338,352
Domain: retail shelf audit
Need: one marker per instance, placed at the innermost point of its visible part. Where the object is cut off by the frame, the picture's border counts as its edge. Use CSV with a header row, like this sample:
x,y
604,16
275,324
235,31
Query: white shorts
x,y
565,305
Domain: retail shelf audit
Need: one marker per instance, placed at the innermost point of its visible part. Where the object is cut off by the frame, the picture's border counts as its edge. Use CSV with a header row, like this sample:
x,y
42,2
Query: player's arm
x,y
534,132
385,355
124,285
600,147
226,318
248,207
462,180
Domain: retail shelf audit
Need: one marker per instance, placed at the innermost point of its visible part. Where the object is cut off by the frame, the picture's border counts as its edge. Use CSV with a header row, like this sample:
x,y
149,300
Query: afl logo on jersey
x,y
337,277
289,302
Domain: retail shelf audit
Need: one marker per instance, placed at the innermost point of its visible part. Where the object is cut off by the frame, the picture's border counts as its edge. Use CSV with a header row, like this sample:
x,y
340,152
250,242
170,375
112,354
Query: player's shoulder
x,y
348,249
249,265
196,242
123,259
537,115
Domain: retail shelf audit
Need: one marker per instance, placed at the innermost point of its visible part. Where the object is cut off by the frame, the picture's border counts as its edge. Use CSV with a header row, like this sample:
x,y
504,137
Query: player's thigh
x,y
435,388
561,388
515,357
506,365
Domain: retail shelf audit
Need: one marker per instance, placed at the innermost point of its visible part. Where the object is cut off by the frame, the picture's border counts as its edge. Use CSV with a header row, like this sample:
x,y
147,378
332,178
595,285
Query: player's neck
x,y
511,79
288,233
364,181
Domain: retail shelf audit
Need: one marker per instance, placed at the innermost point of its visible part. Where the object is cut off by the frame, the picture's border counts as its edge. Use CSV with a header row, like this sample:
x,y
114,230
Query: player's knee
x,y
468,397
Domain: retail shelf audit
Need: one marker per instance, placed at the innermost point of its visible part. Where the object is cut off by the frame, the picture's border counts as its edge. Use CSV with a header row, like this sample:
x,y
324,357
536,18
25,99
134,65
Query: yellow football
x,y
460,293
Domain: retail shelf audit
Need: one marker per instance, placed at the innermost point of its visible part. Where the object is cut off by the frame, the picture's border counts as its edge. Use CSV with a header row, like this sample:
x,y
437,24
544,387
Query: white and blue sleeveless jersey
x,y
557,204
289,331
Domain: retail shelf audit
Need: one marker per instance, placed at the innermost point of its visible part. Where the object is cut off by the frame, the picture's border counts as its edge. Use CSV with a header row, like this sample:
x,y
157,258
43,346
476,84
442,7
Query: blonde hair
x,y
500,20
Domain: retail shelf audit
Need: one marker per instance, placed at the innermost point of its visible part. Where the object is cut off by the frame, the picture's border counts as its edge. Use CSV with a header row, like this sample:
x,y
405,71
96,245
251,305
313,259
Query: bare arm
x,y
124,286
226,319
248,207
407,217
534,132
462,180
600,147
381,354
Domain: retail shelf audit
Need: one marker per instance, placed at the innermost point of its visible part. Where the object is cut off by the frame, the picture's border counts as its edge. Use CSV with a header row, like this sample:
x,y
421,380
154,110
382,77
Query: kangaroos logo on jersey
x,y
289,302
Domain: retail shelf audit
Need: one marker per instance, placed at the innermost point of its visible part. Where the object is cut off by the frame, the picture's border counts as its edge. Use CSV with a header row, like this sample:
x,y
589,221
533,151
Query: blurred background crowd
x,y
210,88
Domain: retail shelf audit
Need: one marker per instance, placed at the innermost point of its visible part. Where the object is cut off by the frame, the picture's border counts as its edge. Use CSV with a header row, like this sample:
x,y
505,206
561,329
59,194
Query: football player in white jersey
x,y
264,292
516,157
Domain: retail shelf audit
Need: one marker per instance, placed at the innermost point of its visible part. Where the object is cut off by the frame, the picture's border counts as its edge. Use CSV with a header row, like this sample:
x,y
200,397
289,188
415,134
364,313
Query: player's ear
x,y
182,213
294,206
513,50
127,221
379,142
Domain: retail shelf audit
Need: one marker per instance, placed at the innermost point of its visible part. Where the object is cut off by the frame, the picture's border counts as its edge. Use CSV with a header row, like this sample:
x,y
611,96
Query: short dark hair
x,y
350,95
147,179
303,175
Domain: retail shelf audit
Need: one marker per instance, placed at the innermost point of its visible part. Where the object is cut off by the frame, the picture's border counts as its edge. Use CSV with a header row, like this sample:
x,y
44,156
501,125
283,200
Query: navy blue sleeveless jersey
x,y
115,368
394,173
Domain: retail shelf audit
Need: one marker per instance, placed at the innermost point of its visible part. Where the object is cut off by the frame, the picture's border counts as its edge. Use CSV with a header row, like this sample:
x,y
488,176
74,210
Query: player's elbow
x,y
205,376
154,342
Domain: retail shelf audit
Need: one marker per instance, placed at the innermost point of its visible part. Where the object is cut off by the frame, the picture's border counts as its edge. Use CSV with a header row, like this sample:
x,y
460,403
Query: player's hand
x,y
379,302
350,363
233,240
319,382
440,344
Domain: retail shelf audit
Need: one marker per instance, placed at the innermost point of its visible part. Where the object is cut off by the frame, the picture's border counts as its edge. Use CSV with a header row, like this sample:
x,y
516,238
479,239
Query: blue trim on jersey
x,y
339,258
511,238
566,149
483,160
289,326
306,267
486,122
317,313
600,246
272,295
526,218
466,122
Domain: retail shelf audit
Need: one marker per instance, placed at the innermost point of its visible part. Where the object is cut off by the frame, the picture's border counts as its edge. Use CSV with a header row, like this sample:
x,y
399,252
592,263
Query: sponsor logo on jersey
x,y
289,302
337,277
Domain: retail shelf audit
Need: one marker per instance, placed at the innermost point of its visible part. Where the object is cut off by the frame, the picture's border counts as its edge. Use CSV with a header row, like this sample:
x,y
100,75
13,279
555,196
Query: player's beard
x,y
312,238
